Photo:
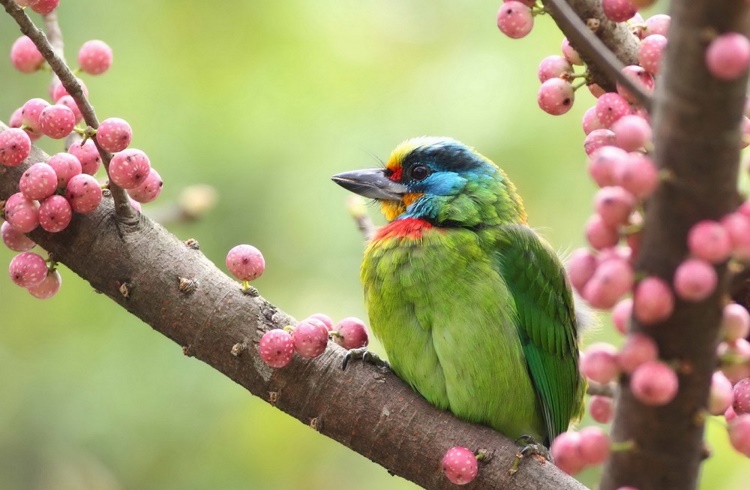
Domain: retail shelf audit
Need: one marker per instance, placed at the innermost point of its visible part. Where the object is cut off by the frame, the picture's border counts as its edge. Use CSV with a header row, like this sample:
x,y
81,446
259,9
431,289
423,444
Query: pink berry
x,y
554,66
614,204
68,102
735,322
57,121
570,53
604,163
610,107
27,269
601,408
599,362
88,155
114,134
149,189
352,333
653,301
641,77
708,240
657,24
651,51
621,314
43,7
38,181
695,280
65,166
638,175
741,403
129,168
597,139
566,452
632,132
31,111
84,193
94,58
245,262
596,90
310,339
15,146
728,56
276,348
720,396
581,266
612,279
638,349
22,213
460,465
25,56
594,445
735,359
618,10
729,415
16,120
738,229
599,235
555,96
514,19
739,434
654,383
14,239
590,122
57,91
48,287
325,319
55,214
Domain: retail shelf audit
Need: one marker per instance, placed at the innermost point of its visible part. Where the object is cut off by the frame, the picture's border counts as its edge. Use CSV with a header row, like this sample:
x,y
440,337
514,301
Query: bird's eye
x,y
420,172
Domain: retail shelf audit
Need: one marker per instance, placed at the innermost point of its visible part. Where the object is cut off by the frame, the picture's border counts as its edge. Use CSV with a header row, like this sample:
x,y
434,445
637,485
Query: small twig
x,y
356,207
54,34
601,389
71,84
594,49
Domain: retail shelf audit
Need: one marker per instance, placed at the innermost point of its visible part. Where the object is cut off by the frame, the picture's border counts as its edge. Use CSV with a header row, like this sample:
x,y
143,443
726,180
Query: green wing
x,y
546,323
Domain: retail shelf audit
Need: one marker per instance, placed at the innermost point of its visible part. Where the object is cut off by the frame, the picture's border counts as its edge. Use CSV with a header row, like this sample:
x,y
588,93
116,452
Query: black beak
x,y
371,183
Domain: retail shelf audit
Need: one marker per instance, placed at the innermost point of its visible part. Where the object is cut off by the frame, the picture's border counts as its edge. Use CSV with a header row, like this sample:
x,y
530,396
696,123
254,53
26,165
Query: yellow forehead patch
x,y
403,149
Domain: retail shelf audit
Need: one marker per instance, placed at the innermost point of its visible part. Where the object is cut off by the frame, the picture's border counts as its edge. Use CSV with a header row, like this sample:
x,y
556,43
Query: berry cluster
x,y
50,192
309,338
618,144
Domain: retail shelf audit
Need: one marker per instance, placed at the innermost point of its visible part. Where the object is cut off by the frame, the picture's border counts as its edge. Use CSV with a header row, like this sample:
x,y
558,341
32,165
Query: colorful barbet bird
x,y
473,308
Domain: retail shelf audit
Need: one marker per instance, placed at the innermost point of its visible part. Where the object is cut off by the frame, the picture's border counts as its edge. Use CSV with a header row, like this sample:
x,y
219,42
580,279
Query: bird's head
x,y
441,181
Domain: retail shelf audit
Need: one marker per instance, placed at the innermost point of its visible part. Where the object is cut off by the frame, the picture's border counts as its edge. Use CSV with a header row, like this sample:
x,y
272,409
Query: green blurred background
x,y
265,100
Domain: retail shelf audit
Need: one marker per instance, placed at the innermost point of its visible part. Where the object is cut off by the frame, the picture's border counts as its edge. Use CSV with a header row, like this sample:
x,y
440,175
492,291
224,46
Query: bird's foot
x,y
529,447
366,356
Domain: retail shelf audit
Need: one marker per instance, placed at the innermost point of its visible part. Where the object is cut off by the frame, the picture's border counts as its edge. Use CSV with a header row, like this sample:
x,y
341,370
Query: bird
x,y
472,306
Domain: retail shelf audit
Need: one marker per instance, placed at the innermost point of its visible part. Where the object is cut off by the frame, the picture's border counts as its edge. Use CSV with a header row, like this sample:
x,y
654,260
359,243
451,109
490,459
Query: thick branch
x,y
696,123
139,266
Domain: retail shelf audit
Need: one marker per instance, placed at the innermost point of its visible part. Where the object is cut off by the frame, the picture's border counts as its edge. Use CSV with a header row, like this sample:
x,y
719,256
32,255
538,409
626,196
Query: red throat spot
x,y
411,228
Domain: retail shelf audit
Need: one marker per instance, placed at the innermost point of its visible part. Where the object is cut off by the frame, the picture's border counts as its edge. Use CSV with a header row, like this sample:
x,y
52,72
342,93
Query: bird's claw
x,y
366,356
529,447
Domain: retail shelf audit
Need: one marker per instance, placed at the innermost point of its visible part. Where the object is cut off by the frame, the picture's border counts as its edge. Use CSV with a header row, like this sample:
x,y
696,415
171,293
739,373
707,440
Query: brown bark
x,y
696,122
138,264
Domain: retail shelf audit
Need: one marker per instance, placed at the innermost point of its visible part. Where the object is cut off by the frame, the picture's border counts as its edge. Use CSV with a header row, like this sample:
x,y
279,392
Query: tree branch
x,y
139,265
605,51
696,123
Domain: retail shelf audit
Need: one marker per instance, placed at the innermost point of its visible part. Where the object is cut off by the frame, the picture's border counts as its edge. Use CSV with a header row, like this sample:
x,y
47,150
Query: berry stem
x,y
122,206
622,446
